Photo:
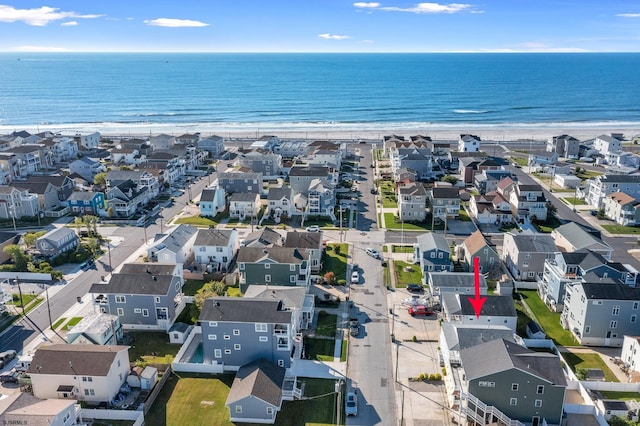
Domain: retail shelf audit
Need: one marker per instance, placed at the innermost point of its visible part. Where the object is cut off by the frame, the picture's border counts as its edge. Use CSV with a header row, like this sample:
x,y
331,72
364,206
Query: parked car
x,y
415,288
9,377
355,277
420,311
313,228
351,407
354,326
373,253
7,356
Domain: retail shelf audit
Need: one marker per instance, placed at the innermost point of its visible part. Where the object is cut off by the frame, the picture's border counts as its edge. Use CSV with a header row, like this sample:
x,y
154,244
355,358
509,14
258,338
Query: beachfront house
x,y
564,146
214,145
605,144
469,143
524,254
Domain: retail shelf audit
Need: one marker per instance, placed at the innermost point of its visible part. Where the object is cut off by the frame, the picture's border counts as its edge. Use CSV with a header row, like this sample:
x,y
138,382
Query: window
x,y
540,389
157,299
120,312
616,310
238,409
202,249
440,255
241,266
270,411
587,329
217,353
633,318
613,324
292,278
267,266
89,392
261,327
213,323
121,299
484,384
236,347
292,268
264,339
87,379
433,255
636,305
532,274
514,386
227,337
281,362
219,249
137,310
145,312
236,332
227,351
267,278
538,403
213,337
513,401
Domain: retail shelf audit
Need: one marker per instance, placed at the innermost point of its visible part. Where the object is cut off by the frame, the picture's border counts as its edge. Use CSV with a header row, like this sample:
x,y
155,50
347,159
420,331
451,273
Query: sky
x,y
319,26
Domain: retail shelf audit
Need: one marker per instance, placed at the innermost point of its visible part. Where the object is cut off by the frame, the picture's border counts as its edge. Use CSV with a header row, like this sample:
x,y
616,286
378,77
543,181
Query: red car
x,y
420,311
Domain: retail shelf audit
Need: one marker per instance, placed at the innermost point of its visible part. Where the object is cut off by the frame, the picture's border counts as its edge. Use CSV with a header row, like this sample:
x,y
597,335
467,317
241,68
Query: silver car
x,y
351,407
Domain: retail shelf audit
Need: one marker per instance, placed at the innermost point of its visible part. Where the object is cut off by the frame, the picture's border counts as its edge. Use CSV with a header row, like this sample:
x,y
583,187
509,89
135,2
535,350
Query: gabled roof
x,y
259,379
462,336
619,178
236,309
445,193
413,189
280,193
75,360
457,304
207,194
432,241
213,237
265,237
309,171
141,284
475,242
58,234
291,297
179,237
500,355
303,240
454,279
609,291
243,197
286,255
532,187
149,268
537,243
578,237
82,195
504,183
622,198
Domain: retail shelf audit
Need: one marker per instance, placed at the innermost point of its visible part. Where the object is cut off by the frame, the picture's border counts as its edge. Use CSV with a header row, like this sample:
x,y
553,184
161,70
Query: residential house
x,y
238,181
477,246
244,206
454,282
28,159
285,266
522,384
420,160
126,156
261,161
177,247
63,185
412,202
601,186
491,208
320,199
162,142
324,153
469,166
8,167
59,149
7,238
188,139
496,311
237,331
172,165
487,181
86,167
445,203
57,241
311,242
541,158
301,178
90,141
564,146
212,201
567,181
623,159
605,144
96,328
631,352
126,198
256,393
468,143
406,175
16,204
214,249
528,202
455,337
294,299
622,208
24,408
141,178
145,296
279,202
214,145
265,237
267,142
292,149
524,254
601,313
573,237
432,252
45,191
86,203
91,373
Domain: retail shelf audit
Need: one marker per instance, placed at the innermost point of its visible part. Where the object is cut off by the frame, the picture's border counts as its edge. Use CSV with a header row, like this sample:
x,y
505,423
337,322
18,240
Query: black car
x,y
373,190
415,288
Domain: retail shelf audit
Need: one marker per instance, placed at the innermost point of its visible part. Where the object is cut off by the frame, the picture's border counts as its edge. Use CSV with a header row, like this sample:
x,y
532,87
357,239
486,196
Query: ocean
x,y
289,91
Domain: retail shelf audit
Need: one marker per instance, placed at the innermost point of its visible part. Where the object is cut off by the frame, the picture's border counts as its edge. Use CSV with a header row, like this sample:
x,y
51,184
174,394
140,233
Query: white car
x,y
355,277
351,407
373,253
313,228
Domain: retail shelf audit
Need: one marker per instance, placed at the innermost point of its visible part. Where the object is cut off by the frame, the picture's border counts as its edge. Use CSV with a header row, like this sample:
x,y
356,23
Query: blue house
x,y
433,253
82,203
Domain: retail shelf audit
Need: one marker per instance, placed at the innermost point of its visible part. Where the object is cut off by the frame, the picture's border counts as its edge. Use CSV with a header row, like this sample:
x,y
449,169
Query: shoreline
x,y
342,131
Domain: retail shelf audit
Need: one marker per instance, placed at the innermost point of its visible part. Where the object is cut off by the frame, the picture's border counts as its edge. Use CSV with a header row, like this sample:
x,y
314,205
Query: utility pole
x,y
17,282
109,251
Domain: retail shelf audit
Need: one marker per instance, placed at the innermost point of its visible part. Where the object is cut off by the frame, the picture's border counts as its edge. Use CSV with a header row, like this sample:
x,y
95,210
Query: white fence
x,y
24,276
185,367
612,386
93,413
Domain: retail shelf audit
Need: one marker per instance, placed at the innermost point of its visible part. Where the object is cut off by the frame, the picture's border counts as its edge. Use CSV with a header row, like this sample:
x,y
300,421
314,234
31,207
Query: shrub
x,y
414,339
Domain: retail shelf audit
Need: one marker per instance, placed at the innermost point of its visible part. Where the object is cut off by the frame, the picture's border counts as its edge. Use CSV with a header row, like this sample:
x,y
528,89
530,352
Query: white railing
x,y
482,410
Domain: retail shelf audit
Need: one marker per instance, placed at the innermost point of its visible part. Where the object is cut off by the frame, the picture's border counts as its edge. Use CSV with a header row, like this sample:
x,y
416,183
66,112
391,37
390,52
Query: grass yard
x,y
58,323
400,249
619,229
318,410
234,292
321,349
551,223
152,347
522,321
549,321
521,161
196,221
579,360
72,322
390,223
572,201
335,260
192,400
403,276
588,174
26,299
189,314
326,324
464,216
343,352
191,287
624,396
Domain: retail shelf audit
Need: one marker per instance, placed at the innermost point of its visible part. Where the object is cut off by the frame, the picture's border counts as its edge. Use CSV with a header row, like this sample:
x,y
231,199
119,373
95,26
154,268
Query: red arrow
x,y
477,301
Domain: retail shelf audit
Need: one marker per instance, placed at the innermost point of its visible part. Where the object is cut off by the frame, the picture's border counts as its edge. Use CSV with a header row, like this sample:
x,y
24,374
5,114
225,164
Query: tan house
x,y
622,208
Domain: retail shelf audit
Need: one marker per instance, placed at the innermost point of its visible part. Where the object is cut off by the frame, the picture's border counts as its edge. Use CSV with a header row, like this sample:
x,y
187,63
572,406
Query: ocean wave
x,y
471,111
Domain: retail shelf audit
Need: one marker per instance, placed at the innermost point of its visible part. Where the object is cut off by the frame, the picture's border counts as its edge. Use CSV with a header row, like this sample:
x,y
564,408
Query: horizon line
x,y
322,52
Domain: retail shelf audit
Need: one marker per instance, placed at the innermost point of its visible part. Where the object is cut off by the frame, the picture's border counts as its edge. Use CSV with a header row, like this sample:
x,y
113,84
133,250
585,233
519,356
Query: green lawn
x,y
624,396
26,298
196,221
326,324
404,277
317,410
521,161
58,323
548,226
522,321
343,352
463,215
400,249
390,223
335,260
191,287
549,321
189,314
72,322
619,229
192,400
588,174
321,349
572,201
580,360
152,347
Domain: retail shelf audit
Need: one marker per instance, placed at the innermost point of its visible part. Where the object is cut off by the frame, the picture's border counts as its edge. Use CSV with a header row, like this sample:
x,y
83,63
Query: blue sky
x,y
320,26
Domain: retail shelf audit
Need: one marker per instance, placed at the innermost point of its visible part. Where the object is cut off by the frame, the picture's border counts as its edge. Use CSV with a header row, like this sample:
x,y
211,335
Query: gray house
x,y
146,296
262,161
57,241
573,237
496,311
600,314
524,254
524,385
477,246
274,266
564,146
294,299
239,181
309,241
256,393
213,144
454,282
300,178
237,331
265,237
432,252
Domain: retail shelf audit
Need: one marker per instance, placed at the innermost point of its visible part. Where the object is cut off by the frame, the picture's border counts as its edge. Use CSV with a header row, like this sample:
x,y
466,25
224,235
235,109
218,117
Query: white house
x,y
496,311
91,373
214,249
90,141
177,247
622,208
606,144
212,201
468,143
244,205
280,202
567,181
631,352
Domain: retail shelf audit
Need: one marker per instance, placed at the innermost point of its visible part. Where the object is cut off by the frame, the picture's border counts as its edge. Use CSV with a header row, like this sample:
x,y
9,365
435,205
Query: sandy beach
x,y
341,131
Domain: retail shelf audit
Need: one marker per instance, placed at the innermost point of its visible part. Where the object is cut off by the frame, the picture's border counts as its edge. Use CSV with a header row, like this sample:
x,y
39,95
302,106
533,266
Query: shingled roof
x,y
72,360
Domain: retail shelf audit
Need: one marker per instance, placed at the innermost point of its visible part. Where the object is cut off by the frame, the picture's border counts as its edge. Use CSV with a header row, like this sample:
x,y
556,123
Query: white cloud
x,y
38,17
328,36
541,47
421,8
39,49
629,15
175,23
69,24
367,41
